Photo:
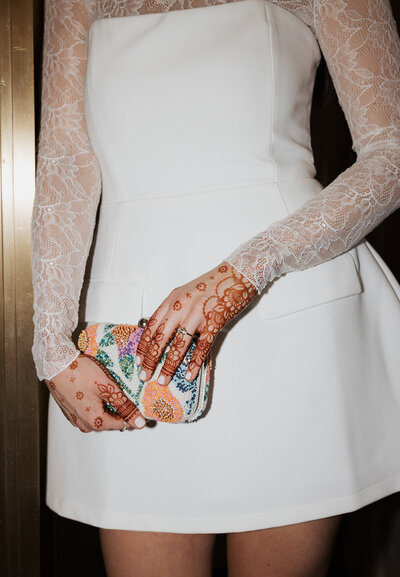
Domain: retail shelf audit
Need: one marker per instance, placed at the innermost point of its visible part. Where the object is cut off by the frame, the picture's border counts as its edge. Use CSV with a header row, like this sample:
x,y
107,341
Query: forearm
x,y
62,229
328,225
68,188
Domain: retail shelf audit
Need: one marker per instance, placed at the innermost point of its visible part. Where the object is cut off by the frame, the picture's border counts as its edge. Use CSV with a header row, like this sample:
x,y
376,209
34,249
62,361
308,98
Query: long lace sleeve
x,y
67,192
362,49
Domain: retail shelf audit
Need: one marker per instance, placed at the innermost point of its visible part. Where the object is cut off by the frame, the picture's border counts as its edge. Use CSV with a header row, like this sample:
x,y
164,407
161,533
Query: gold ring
x,y
124,428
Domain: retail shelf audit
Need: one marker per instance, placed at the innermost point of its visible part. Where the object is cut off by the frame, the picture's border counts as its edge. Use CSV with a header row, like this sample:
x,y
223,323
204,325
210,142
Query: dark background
x,y
368,543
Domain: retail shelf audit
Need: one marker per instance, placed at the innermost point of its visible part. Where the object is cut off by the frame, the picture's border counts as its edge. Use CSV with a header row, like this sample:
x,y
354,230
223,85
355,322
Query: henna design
x,y
74,417
154,351
146,337
73,365
98,422
228,300
201,286
113,395
189,296
88,409
79,395
52,386
72,380
177,306
172,361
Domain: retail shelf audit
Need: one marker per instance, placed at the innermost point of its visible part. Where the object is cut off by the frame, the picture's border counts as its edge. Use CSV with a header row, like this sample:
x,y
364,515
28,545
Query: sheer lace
x,y
67,191
362,49
360,43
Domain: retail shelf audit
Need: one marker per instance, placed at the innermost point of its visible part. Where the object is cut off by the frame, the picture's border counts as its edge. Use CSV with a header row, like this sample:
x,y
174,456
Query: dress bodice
x,y
230,102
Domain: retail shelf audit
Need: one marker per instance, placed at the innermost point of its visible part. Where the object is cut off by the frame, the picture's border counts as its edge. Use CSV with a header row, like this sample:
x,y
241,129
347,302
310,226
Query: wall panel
x,y
19,416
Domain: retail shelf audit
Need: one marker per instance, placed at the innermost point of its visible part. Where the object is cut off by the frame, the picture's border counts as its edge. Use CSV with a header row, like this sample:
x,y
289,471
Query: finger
x,y
175,356
99,419
131,415
126,409
202,349
161,337
147,335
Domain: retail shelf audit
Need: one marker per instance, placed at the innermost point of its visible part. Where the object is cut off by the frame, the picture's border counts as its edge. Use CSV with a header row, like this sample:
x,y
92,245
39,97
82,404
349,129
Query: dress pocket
x,y
299,290
112,301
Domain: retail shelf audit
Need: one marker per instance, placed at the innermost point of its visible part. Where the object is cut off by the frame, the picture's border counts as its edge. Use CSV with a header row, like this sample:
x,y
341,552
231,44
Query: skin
x,y
81,391
299,550
203,306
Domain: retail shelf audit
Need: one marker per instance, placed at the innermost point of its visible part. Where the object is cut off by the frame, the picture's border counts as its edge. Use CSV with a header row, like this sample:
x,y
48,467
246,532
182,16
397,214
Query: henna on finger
x,y
145,339
199,356
179,346
154,351
125,408
232,294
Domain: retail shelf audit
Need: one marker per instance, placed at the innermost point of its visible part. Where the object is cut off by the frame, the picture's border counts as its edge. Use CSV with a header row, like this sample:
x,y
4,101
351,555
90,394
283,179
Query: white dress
x,y
198,121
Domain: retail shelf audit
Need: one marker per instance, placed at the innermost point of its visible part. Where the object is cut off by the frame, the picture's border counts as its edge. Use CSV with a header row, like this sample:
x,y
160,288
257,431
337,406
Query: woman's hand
x,y
204,305
82,391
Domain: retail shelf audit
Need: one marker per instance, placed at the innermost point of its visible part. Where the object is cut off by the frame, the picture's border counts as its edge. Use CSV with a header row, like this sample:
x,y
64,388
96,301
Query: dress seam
x,y
206,190
271,145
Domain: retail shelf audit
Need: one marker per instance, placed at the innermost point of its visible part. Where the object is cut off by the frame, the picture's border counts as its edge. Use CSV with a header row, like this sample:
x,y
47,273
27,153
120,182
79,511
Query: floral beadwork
x,y
87,341
160,404
114,348
122,333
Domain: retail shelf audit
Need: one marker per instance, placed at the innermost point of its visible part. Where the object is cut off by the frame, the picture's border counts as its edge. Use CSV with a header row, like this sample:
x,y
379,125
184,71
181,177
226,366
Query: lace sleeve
x,y
67,191
362,49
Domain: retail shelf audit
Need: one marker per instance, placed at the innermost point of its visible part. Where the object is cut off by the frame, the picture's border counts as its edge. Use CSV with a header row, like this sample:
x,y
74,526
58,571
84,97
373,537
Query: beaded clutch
x,y
113,346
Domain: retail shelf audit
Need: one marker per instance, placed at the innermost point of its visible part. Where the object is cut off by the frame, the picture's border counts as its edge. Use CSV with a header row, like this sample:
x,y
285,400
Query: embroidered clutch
x,y
113,346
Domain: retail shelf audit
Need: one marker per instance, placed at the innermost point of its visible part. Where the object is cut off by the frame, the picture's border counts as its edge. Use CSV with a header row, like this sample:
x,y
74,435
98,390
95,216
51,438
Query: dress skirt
x,y
200,122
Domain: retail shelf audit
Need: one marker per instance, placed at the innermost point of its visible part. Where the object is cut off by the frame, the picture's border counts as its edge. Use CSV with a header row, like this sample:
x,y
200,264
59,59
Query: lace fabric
x,y
362,49
361,46
68,189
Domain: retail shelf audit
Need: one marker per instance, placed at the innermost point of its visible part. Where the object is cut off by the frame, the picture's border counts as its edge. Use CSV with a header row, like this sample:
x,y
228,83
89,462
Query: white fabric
x,y
362,50
201,144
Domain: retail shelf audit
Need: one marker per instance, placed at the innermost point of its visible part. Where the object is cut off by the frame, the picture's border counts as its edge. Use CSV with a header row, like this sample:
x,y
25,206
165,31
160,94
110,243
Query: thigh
x,y
147,554
299,550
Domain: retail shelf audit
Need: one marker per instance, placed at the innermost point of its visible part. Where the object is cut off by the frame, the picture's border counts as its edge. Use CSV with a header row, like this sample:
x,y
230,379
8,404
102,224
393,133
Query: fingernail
x,y
161,380
138,360
140,422
142,375
188,376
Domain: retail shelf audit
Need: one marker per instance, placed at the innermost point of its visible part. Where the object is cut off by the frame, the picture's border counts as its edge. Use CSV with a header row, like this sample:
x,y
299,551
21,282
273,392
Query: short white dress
x,y
199,120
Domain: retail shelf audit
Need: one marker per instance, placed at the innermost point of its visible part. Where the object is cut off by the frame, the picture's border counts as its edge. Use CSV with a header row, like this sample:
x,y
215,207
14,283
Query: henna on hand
x,y
113,395
213,304
231,295
96,391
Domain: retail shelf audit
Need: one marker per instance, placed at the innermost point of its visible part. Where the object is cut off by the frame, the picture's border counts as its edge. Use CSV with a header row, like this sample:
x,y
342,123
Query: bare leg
x,y
146,554
300,550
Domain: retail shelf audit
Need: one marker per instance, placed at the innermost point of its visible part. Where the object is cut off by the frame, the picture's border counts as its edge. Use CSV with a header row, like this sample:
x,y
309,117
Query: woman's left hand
x,y
204,305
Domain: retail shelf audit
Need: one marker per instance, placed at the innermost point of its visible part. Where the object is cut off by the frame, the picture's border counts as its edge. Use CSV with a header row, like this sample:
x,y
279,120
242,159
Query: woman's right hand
x,y
82,391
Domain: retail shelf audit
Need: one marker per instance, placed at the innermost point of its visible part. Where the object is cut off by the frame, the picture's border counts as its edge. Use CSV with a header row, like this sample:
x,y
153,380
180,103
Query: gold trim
x,y
19,391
